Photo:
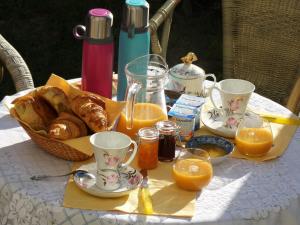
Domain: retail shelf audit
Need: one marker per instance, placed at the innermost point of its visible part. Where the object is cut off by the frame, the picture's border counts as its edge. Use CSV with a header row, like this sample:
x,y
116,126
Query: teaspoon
x,y
42,177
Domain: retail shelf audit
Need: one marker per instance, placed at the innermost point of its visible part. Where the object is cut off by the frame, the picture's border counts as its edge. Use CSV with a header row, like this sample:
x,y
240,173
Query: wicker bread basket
x,y
64,149
55,147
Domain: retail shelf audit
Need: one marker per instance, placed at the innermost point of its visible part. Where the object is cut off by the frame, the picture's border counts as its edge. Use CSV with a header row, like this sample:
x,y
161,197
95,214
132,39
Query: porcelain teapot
x,y
190,77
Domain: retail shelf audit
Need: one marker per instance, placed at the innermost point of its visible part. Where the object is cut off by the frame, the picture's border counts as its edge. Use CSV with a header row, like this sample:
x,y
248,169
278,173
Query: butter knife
x,y
281,120
145,196
273,118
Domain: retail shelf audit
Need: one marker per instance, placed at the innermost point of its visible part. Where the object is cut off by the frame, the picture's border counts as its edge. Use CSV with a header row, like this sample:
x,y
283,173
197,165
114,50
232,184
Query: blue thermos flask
x,y
134,40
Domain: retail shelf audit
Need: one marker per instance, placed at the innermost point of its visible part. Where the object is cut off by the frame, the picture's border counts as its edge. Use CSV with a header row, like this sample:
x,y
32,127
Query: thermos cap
x,y
98,24
135,2
135,15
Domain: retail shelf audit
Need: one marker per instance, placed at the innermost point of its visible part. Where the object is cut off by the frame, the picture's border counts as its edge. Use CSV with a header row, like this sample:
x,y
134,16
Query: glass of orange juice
x,y
254,137
193,170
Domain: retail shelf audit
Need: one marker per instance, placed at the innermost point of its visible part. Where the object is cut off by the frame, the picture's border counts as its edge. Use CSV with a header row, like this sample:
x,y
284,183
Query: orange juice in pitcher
x,y
145,115
145,97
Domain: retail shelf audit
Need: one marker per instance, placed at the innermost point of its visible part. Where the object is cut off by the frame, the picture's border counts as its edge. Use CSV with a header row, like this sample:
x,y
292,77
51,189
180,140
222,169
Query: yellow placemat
x,y
282,135
167,198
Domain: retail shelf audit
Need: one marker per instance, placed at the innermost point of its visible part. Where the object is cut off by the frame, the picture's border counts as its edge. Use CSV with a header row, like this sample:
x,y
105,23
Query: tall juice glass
x,y
145,97
254,138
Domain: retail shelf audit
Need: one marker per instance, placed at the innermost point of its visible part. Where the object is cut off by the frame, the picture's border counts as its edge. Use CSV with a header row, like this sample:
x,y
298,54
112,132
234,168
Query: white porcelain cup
x,y
110,149
235,95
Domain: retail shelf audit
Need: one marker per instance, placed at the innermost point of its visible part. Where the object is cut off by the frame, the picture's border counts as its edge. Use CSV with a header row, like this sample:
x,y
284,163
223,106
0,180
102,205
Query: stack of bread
x,y
50,111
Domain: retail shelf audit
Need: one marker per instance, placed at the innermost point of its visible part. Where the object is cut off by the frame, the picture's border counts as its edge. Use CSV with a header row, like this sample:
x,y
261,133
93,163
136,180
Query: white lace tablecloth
x,y
241,192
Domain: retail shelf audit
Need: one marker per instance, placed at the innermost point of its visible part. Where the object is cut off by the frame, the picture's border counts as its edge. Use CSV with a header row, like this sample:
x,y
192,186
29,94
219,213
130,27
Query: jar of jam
x,y
148,148
168,132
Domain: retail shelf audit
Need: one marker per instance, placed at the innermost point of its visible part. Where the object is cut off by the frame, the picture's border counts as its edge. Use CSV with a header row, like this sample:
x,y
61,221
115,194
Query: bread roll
x,y
90,109
55,97
67,126
34,111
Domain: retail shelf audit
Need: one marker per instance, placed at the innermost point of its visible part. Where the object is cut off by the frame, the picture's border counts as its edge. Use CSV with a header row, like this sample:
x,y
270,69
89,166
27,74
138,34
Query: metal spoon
x,y
42,177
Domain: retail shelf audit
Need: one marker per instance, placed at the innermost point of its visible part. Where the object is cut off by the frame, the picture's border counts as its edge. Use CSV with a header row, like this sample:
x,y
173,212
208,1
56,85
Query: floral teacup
x,y
110,149
235,95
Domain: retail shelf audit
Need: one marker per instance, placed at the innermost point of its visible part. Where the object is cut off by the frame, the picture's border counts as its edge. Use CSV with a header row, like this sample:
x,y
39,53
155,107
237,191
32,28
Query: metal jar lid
x,y
98,26
187,70
167,127
135,16
148,134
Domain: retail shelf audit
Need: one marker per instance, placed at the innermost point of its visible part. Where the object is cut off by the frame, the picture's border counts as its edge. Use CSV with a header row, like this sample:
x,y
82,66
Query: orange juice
x,y
145,115
254,141
192,174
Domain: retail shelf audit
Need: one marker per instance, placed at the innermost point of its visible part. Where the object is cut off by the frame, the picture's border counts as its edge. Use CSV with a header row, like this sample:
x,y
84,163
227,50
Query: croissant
x,y
67,126
55,97
90,109
34,111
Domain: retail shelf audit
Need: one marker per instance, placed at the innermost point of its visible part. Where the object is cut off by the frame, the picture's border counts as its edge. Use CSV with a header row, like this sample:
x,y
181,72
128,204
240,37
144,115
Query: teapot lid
x,y
187,70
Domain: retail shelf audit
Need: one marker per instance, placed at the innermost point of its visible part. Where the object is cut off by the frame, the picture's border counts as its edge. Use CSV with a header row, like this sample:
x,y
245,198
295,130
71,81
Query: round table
x,y
241,192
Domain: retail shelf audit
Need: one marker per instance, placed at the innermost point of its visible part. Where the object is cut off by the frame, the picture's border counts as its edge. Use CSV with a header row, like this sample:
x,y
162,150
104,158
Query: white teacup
x,y
110,149
235,95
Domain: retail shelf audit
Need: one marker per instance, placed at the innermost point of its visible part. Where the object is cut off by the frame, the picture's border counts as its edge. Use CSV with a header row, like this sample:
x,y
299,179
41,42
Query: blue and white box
x,y
192,101
184,117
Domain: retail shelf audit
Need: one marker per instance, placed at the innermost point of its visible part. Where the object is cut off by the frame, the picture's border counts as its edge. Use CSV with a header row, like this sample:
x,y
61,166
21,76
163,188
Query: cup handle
x,y
135,147
206,89
211,97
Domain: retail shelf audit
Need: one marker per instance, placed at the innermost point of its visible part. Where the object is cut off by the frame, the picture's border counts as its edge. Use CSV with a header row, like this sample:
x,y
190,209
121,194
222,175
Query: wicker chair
x,y
261,43
163,16
15,65
293,103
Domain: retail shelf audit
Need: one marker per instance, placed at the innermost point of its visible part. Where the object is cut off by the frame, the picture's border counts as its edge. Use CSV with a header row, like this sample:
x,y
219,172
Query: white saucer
x,y
215,121
130,180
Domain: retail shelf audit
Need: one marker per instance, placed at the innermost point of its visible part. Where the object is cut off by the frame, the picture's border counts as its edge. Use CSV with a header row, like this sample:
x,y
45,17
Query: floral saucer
x,y
222,122
130,180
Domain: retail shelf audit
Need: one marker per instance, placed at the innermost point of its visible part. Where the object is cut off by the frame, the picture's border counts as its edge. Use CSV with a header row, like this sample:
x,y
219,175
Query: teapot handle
x,y
131,96
207,89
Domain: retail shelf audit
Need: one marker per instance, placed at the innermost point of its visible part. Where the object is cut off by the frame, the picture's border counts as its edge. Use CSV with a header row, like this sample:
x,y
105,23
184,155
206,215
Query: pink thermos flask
x,y
97,52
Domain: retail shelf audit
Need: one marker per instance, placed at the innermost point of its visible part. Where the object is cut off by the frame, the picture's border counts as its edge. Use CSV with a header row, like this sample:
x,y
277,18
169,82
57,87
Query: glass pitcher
x,y
146,102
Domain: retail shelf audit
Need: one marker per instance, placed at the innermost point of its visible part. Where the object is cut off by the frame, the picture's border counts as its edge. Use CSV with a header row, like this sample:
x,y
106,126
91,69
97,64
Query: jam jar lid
x,y
167,127
187,70
148,133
